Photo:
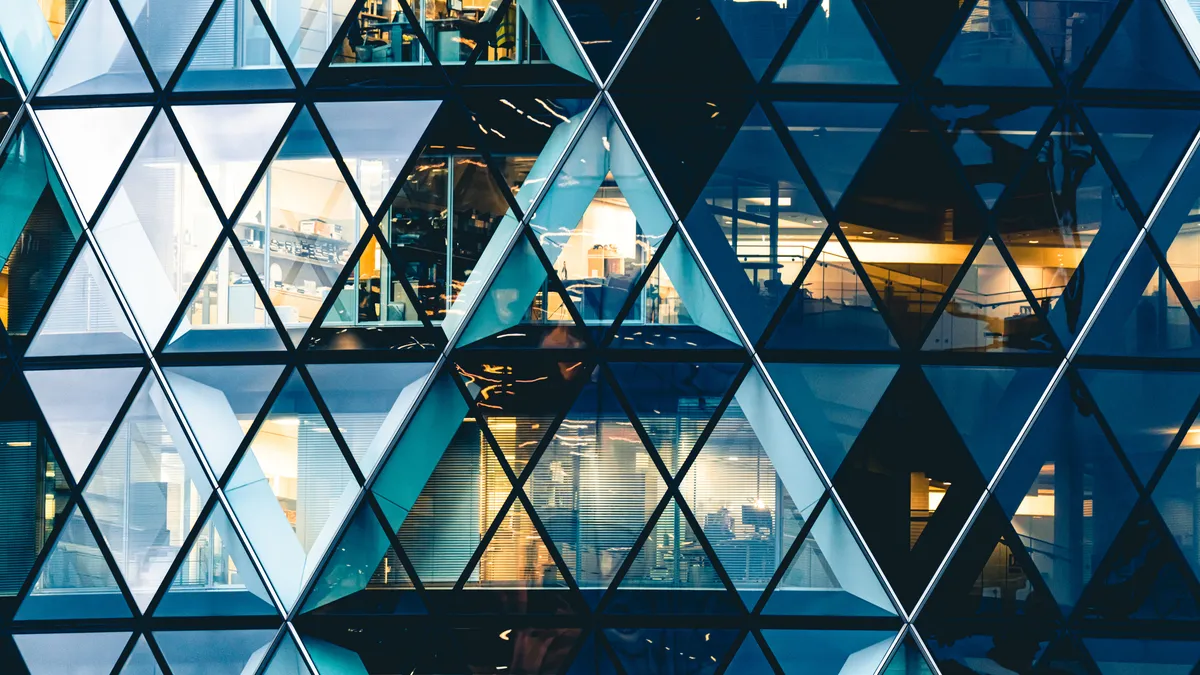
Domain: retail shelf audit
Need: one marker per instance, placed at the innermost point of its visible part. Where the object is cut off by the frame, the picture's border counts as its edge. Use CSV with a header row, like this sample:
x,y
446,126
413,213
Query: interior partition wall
x,y
582,337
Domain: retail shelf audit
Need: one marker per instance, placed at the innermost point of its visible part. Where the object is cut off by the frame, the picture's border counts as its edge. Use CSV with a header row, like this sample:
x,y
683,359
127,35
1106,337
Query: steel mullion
x,y
634,297
785,561
1099,46
956,281
789,297
331,423
619,64
1055,343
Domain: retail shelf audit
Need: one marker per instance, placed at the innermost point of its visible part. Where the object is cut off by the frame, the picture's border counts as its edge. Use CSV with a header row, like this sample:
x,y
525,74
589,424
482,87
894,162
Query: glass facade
x,y
600,337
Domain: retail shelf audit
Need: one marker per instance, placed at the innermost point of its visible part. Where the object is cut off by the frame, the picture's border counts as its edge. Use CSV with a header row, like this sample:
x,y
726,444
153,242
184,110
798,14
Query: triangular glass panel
x,y
374,146
755,222
230,142
1066,228
831,403
38,230
369,402
758,29
914,45
990,141
671,650
680,310
990,50
467,482
601,220
989,585
89,161
752,488
287,659
604,28
84,318
364,575
375,308
989,312
1144,410
29,29
147,491
516,557
220,403
392,645
1065,655
96,59
1145,52
291,489
750,659
888,209
237,54
1145,579
80,406
495,41
520,398
301,225
1143,315
1177,496
216,578
830,575
834,138
829,652
84,653
832,309
988,405
908,660
214,652
439,425
307,27
164,28
1116,656
672,573
675,402
226,313
1145,144
523,308
909,500
594,487
141,660
655,57
157,229
1066,492
1066,45
835,47
75,581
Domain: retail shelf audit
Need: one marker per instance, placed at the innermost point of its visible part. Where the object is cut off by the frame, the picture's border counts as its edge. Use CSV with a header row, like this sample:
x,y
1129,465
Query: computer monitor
x,y
756,517
455,5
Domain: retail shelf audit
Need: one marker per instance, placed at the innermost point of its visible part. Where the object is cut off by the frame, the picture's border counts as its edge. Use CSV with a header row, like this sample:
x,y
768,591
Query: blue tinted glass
x,y
661,651
834,138
758,28
1068,30
991,50
1145,144
835,47
990,141
828,652
1145,53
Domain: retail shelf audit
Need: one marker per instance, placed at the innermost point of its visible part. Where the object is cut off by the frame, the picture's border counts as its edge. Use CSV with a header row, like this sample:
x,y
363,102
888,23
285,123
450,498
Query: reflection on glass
x,y
75,581
146,492
236,53
96,59
36,498
1067,29
991,50
758,28
1178,497
216,577
226,307
159,214
1066,226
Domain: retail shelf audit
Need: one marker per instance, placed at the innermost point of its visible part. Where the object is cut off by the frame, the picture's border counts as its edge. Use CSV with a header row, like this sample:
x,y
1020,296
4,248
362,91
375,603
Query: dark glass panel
x,y
914,42
1066,492
1068,30
911,229
659,651
909,499
1145,144
758,28
1145,53
1144,409
604,27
